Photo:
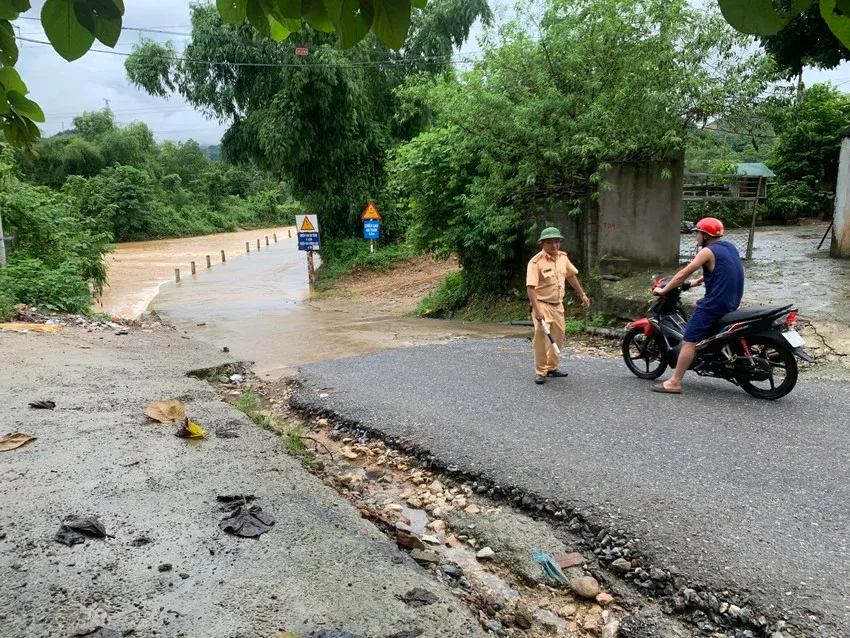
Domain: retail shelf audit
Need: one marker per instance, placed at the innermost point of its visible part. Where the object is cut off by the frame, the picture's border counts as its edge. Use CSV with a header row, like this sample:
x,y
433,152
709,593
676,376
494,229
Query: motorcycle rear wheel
x,y
783,369
649,365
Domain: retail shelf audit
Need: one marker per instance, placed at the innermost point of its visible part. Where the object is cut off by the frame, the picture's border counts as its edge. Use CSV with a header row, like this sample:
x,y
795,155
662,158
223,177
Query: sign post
x,y
307,227
371,219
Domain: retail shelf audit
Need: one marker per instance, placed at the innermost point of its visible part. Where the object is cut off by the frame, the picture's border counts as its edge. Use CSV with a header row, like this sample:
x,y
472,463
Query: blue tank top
x,y
724,286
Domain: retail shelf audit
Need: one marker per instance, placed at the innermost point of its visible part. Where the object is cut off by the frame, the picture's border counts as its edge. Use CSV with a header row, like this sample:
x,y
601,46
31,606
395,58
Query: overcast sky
x,y
65,89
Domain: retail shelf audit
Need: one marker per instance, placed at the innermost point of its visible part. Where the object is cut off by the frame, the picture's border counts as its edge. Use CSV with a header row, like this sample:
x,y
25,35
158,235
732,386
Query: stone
x,y
523,617
495,626
403,527
453,571
568,611
414,502
585,586
437,526
734,611
724,607
485,552
165,567
657,574
565,561
604,598
428,538
425,556
394,507
472,509
451,541
621,566
611,630
323,423
436,487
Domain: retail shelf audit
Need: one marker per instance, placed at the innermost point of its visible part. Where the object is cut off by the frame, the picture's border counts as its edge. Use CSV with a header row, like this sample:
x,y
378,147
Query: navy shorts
x,y
700,325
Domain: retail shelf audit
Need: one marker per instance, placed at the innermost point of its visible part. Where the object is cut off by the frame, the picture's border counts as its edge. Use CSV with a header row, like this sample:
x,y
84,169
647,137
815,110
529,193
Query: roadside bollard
x,y
267,240
290,233
247,247
193,268
275,237
209,263
258,244
177,275
223,258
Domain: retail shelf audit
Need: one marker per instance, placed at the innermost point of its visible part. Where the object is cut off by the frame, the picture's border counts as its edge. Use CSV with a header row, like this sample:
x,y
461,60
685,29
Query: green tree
x,y
122,200
560,95
323,122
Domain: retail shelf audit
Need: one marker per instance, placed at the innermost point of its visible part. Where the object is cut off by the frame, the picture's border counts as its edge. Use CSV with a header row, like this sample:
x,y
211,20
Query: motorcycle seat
x,y
748,314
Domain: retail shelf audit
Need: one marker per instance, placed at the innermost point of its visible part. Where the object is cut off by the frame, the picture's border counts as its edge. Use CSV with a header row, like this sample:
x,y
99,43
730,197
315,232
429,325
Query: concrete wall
x,y
640,216
840,246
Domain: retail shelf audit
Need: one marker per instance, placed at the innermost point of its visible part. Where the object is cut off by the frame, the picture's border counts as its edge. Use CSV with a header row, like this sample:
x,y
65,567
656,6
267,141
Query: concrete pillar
x,y
840,246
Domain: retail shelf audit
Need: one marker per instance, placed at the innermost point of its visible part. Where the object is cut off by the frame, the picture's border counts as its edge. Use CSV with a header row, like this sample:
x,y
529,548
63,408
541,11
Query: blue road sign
x,y
371,229
308,241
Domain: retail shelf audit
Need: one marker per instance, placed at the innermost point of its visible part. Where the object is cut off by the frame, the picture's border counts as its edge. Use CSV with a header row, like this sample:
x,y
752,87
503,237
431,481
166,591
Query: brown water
x,y
258,305
138,269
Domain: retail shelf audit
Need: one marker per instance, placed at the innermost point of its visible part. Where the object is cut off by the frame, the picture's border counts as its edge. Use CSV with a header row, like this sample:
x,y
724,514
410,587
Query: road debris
x,y
97,632
75,529
14,440
242,519
166,411
419,597
43,405
189,430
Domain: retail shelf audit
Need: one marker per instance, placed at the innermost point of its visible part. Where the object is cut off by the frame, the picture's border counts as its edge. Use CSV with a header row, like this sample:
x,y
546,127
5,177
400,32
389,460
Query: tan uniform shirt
x,y
549,276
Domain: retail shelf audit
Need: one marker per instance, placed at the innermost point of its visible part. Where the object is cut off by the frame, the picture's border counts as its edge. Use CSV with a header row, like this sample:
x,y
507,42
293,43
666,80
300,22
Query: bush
x,y
343,256
34,283
450,295
7,302
798,198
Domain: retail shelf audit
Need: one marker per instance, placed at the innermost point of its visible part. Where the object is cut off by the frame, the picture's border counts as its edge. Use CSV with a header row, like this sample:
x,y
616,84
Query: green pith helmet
x,y
550,233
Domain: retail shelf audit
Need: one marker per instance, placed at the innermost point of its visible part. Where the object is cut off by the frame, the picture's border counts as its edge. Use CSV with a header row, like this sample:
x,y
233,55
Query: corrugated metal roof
x,y
755,169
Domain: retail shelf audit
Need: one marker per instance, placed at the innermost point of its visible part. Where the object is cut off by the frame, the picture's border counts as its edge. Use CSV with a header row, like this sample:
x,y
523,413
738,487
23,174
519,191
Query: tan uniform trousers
x,y
545,358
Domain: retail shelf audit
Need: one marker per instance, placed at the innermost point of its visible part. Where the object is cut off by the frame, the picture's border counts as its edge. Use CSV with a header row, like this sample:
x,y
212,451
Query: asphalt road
x,y
736,493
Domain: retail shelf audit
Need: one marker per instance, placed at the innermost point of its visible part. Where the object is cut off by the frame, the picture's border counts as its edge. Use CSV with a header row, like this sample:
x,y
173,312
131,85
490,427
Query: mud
x,y
320,567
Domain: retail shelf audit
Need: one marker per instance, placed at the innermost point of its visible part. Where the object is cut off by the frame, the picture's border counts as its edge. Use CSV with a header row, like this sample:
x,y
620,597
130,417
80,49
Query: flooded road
x,y
138,269
259,307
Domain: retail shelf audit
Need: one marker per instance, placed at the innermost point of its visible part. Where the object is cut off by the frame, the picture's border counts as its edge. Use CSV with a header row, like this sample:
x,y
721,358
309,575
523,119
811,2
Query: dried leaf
x,y
190,430
166,411
14,440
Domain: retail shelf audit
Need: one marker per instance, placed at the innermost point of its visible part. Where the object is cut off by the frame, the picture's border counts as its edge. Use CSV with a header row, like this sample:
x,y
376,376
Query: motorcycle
x,y
754,348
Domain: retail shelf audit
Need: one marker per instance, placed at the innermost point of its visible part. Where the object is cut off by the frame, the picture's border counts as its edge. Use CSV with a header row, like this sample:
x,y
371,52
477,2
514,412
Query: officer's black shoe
x,y
557,373
539,379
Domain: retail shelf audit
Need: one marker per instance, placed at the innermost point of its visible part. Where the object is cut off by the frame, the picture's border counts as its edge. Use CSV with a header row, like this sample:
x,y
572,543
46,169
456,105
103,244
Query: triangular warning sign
x,y
307,225
371,212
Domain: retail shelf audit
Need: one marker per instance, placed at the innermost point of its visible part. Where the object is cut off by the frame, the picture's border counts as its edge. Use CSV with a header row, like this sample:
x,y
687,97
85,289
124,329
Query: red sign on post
x,y
302,51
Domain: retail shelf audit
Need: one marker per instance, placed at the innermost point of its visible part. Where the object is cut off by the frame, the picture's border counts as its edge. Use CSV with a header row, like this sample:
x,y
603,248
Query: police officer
x,y
548,271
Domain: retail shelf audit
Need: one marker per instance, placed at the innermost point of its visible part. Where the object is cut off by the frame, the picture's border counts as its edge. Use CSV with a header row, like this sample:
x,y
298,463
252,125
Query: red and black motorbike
x,y
755,348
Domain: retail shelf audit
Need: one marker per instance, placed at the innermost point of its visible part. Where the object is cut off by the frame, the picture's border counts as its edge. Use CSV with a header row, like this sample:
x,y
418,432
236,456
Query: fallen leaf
x,y
14,440
190,430
166,411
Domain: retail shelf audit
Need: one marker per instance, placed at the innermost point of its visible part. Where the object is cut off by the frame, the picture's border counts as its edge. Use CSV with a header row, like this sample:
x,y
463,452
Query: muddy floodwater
x,y
258,305
138,269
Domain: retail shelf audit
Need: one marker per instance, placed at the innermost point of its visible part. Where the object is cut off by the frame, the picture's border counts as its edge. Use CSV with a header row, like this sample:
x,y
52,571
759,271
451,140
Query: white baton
x,y
551,340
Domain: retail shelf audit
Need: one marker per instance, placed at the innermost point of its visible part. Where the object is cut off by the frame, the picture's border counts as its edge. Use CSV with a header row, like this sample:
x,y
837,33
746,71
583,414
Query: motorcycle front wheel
x,y
642,355
782,374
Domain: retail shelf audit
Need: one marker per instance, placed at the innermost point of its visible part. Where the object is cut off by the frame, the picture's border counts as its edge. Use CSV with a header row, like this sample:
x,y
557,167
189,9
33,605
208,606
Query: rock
x,y
568,611
165,567
374,473
437,526
453,571
604,598
472,509
401,526
658,574
495,626
393,507
611,630
323,423
485,552
585,586
734,611
724,607
621,566
459,502
451,541
523,617
425,556
436,487
414,502
591,624
428,538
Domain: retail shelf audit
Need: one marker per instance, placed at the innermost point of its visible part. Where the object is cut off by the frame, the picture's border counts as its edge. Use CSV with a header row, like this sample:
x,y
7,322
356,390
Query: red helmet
x,y
710,226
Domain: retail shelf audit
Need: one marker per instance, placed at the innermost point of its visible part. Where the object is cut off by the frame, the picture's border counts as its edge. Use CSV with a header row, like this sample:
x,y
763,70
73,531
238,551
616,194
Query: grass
x,y
246,402
346,256
448,296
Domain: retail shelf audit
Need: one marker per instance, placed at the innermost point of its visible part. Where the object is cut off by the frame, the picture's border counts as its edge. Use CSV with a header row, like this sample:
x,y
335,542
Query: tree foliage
x,y
324,122
72,26
560,95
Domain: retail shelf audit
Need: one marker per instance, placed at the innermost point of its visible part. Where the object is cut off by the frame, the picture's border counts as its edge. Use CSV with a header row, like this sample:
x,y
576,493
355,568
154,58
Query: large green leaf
x,y
843,6
70,39
756,17
8,46
232,11
278,32
8,11
101,18
838,24
392,21
290,9
10,80
4,107
21,5
316,15
258,17
24,106
351,18
419,4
